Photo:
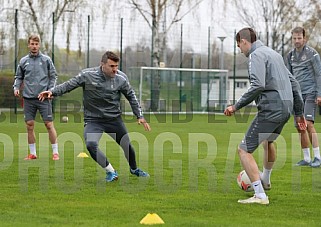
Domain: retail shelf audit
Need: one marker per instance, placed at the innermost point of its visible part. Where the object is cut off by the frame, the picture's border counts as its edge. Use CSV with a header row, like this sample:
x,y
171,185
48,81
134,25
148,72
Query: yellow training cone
x,y
82,155
151,219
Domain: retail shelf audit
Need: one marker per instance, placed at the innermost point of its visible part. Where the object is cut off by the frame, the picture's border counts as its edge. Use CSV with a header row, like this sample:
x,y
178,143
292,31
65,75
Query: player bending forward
x,y
102,89
276,94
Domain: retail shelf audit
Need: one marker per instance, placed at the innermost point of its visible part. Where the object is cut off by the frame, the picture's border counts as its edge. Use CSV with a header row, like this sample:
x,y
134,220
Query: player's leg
x,y
268,162
305,147
117,130
258,132
92,134
30,110
269,150
309,111
45,109
248,145
316,162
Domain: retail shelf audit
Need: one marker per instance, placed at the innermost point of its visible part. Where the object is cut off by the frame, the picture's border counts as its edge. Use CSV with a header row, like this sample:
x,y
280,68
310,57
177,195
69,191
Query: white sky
x,y
195,28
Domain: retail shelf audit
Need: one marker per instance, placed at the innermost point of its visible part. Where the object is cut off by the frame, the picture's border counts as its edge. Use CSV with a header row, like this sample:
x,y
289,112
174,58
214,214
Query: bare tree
x,y
46,16
272,19
153,12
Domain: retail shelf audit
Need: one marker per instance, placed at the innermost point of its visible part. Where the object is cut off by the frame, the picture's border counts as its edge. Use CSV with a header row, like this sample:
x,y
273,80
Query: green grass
x,y
193,165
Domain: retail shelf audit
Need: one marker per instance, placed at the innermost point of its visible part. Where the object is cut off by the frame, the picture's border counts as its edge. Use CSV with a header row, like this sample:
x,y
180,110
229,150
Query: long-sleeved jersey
x,y
273,88
306,68
37,73
101,94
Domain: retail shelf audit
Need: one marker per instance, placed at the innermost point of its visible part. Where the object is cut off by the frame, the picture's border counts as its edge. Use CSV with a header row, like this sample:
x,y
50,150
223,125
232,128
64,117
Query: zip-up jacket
x,y
37,73
273,88
306,68
101,94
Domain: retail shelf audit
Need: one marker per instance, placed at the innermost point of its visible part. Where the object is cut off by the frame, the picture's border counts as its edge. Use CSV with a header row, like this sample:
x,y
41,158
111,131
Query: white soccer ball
x,y
64,119
244,182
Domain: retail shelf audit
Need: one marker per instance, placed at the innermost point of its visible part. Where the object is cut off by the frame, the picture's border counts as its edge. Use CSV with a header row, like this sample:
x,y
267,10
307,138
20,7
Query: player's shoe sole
x,y
55,157
138,172
303,163
254,199
315,163
111,176
31,157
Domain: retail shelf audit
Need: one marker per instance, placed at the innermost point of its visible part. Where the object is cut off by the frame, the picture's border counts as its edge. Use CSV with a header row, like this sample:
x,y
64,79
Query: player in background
x,y
304,63
37,73
102,89
276,93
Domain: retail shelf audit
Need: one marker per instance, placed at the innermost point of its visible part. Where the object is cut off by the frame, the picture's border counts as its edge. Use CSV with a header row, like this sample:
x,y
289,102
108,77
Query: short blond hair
x,y
34,38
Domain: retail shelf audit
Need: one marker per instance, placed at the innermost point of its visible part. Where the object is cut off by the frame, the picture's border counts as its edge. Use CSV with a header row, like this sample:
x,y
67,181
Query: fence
x,y
187,45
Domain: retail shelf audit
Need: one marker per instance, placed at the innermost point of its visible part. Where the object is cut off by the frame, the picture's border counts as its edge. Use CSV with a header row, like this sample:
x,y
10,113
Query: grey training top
x,y
306,68
37,73
272,86
101,94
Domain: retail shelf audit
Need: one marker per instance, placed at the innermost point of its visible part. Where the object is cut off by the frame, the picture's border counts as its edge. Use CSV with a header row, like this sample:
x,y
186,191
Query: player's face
x,y
34,47
110,68
298,40
243,47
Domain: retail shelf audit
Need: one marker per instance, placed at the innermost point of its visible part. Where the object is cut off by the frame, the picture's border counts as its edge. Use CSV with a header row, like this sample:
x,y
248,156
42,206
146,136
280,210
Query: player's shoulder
x,y
24,59
92,70
310,50
122,76
44,56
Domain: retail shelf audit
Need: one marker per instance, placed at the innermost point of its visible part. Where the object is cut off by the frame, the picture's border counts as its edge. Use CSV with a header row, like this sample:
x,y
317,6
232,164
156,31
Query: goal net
x,y
180,89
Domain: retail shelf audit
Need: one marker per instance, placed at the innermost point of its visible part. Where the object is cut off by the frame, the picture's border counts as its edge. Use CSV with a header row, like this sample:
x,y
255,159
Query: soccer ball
x,y
64,119
244,181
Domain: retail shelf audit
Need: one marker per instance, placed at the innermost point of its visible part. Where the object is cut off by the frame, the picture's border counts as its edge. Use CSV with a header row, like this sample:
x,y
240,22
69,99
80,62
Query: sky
x,y
196,26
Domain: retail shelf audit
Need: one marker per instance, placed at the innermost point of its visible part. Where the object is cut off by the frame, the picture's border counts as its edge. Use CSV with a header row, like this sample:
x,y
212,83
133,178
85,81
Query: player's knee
x,y
240,151
91,146
49,124
30,125
310,125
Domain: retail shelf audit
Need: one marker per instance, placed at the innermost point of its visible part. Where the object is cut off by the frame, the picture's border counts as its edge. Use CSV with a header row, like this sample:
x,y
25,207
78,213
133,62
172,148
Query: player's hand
x,y
45,95
318,101
301,122
16,93
229,110
144,123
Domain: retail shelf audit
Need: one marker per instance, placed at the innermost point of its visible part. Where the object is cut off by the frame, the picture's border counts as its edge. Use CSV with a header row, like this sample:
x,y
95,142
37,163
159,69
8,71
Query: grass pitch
x,y
193,165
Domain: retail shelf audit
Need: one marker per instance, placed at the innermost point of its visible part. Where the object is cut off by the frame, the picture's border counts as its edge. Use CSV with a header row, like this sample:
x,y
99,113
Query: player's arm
x,y
257,73
18,79
63,88
52,74
129,93
316,63
288,62
298,104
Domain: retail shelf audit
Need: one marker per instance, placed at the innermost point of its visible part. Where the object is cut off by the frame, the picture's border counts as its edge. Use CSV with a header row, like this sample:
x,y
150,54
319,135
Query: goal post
x,y
181,89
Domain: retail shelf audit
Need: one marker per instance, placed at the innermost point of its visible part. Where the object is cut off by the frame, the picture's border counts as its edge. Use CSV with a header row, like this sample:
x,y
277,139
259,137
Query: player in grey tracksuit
x,y
304,63
36,73
102,90
277,94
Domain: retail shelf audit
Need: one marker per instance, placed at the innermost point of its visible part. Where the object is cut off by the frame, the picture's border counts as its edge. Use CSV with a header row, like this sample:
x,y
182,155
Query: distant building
x,y
241,84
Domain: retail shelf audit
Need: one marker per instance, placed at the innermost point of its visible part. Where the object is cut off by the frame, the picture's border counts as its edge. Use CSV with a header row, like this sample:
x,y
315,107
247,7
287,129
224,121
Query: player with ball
x,y
276,93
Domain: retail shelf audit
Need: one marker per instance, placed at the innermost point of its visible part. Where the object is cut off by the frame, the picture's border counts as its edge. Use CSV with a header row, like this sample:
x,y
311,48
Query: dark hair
x,y
109,55
247,34
34,38
299,30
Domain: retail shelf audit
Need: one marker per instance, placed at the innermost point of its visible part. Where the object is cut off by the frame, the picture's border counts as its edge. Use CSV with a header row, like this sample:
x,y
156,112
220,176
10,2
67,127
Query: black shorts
x,y
30,107
259,132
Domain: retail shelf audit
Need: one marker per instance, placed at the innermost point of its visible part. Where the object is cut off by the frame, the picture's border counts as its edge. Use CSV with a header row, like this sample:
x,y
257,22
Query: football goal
x,y
180,89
